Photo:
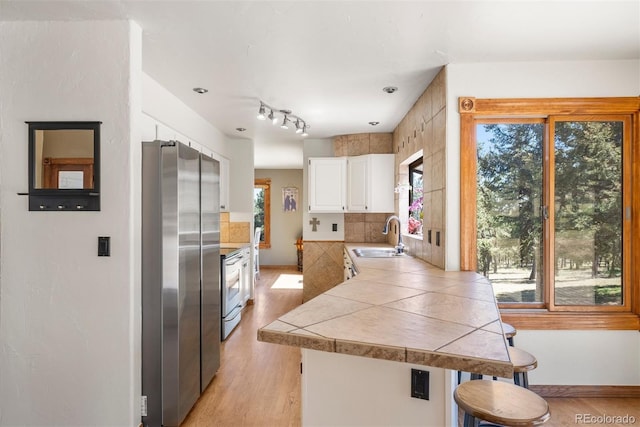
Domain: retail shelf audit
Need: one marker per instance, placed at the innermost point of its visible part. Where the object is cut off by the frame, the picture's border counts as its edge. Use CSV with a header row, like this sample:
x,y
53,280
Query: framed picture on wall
x,y
289,199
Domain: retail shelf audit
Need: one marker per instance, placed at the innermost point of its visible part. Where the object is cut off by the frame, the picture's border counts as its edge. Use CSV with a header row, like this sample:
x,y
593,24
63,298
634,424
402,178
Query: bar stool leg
x,y
469,421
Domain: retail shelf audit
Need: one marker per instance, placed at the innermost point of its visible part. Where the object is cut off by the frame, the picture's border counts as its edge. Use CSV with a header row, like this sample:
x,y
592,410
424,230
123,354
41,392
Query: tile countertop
x,y
405,310
226,249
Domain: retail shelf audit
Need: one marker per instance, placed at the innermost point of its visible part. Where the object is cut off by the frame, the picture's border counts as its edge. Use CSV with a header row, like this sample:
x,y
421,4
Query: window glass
x,y
588,213
416,214
509,222
262,209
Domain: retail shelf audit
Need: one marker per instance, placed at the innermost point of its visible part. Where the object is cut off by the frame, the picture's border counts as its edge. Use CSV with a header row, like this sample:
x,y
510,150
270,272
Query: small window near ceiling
x,y
416,214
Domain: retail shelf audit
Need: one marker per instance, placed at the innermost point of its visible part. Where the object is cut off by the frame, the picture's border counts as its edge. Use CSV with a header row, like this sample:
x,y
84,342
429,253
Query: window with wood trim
x,y
262,209
547,203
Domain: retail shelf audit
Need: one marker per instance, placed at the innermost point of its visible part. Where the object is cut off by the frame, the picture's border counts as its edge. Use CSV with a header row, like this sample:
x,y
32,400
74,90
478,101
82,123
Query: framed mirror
x,y
64,166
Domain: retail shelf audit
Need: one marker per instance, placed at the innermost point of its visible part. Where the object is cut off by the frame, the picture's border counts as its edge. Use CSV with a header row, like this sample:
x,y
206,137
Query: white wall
x,y
286,227
241,179
565,357
344,390
174,120
69,320
583,357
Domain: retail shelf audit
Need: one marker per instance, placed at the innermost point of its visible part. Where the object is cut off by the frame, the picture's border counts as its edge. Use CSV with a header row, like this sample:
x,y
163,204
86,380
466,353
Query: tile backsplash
x,y
233,232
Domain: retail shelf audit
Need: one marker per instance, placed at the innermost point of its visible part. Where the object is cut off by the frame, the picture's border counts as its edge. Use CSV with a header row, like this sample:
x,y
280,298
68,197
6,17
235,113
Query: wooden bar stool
x,y
509,332
523,362
500,403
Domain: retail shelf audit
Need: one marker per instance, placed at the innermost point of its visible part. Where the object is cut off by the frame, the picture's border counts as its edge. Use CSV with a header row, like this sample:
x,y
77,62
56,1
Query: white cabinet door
x,y
358,187
327,184
370,183
224,184
381,178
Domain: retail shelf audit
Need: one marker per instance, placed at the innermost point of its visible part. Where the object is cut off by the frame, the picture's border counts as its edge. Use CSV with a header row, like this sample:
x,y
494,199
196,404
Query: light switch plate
x,y
420,384
104,246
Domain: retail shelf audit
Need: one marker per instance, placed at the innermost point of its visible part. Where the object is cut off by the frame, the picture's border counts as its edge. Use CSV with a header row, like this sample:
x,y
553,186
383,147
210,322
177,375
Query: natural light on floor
x,y
288,281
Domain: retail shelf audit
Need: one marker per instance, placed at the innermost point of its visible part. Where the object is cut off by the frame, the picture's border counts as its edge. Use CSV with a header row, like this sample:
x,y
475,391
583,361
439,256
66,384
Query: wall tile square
x,y
437,170
239,232
381,143
354,232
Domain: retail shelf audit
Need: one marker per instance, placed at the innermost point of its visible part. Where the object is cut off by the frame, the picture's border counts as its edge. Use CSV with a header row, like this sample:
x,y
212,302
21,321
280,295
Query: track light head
x,y
272,117
284,122
261,111
298,126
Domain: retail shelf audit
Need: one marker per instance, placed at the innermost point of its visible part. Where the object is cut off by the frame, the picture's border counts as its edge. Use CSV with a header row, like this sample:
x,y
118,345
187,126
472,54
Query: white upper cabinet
x,y
352,184
370,183
327,184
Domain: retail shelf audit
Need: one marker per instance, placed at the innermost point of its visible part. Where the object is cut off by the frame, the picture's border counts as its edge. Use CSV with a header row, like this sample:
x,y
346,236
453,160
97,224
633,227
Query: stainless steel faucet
x,y
385,230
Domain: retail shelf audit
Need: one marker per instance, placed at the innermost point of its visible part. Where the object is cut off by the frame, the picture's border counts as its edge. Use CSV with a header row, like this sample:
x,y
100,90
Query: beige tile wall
x,y
424,127
323,267
364,228
233,232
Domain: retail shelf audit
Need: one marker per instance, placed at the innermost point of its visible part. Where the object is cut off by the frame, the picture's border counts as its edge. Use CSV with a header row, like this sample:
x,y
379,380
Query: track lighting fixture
x,y
288,118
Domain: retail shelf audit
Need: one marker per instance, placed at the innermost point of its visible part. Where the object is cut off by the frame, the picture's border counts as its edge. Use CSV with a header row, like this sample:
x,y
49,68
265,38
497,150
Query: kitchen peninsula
x,y
361,338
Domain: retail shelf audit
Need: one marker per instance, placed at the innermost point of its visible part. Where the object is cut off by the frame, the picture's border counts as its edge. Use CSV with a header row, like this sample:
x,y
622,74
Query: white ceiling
x,y
328,61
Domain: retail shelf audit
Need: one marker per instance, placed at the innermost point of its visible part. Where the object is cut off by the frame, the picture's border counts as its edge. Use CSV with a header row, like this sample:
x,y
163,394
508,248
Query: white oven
x,y
231,286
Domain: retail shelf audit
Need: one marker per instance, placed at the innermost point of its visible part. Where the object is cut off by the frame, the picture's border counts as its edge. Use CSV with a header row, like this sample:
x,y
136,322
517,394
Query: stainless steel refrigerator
x,y
180,279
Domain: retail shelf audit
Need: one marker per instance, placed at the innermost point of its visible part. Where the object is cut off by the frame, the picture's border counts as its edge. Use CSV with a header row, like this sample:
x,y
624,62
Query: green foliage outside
x,y
258,209
588,210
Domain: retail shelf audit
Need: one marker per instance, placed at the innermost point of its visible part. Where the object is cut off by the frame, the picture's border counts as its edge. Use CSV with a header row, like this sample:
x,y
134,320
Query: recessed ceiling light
x,y
374,123
241,129
200,90
390,89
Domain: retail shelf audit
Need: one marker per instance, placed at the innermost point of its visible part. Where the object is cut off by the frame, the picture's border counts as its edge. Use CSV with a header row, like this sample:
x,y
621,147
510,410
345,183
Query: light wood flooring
x,y
258,383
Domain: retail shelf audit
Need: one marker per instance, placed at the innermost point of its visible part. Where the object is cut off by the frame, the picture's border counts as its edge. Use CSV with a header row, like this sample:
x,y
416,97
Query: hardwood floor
x,y
258,383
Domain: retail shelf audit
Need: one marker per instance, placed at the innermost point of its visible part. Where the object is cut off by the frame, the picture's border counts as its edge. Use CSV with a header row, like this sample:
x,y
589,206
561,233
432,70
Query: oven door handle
x,y
235,312
233,261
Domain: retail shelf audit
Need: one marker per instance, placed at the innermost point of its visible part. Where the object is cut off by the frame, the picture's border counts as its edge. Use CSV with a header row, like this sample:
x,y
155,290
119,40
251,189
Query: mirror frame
x,y
50,199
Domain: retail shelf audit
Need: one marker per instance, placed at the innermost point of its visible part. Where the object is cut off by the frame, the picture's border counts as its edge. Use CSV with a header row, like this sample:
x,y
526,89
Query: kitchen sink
x,y
376,252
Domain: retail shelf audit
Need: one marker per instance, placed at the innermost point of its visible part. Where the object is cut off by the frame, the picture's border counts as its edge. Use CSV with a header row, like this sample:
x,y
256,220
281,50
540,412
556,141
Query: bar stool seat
x,y
500,403
509,332
523,362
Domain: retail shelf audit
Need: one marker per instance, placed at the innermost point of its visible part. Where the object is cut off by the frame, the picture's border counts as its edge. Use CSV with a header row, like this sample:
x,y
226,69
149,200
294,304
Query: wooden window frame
x,y
472,110
265,184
